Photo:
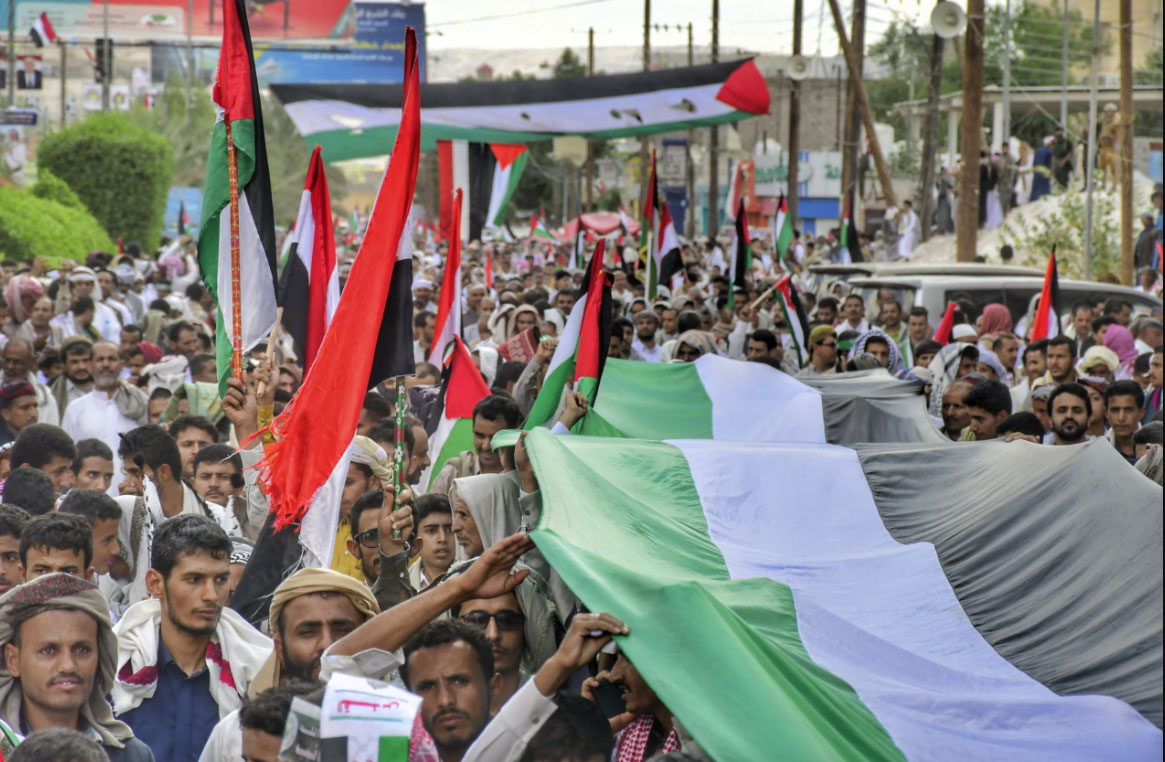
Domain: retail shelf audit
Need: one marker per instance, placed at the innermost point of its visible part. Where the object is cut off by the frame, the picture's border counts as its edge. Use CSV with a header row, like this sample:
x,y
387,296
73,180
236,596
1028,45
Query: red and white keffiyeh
x,y
631,744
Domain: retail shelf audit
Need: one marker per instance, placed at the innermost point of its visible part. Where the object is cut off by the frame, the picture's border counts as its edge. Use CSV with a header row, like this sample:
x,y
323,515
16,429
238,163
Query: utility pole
x,y
863,106
1090,154
644,156
925,194
64,80
794,141
1003,139
1064,69
853,123
190,56
106,58
590,205
11,53
968,213
714,139
1126,142
689,168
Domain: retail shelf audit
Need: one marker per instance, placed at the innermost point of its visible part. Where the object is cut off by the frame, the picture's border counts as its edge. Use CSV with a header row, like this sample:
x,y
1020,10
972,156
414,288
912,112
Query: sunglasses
x,y
508,621
829,344
369,539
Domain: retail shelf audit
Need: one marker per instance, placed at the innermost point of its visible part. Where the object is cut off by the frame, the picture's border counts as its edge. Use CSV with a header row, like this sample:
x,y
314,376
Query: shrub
x,y
52,188
120,172
30,226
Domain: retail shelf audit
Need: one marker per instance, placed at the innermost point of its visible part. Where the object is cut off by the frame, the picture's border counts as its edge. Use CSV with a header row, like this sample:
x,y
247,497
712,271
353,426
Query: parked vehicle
x,y
935,292
819,277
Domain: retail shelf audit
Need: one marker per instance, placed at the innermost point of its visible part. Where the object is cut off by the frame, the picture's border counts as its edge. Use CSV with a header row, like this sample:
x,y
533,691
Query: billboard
x,y
166,19
375,54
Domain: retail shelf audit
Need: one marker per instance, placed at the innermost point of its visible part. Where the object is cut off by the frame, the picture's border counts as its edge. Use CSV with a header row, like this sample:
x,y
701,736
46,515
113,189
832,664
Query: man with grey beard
x,y
112,408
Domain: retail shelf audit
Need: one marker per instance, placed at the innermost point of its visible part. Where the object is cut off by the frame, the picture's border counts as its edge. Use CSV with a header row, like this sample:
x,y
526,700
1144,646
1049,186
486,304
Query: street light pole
x,y
1090,154
106,53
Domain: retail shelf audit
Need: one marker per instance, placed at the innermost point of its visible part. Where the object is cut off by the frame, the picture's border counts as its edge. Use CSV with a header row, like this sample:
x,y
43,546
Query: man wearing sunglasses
x,y
822,352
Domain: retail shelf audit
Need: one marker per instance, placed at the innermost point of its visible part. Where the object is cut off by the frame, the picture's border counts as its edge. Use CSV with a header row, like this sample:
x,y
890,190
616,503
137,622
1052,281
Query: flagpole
x,y
398,450
236,267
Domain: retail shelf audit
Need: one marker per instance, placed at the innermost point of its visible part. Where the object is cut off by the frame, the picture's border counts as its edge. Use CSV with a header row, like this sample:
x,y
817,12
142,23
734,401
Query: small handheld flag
x,y
42,32
1046,323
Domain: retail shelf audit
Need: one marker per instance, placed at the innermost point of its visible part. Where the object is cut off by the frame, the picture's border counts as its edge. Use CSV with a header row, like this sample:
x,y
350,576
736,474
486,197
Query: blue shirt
x,y
176,722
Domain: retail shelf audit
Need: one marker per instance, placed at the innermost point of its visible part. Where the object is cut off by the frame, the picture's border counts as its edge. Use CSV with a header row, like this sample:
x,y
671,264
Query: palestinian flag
x,y
741,263
581,353
836,608
309,288
488,173
450,427
538,230
370,337
719,399
250,298
735,196
942,334
851,246
664,261
1046,323
509,161
795,317
42,32
357,120
448,324
98,72
783,240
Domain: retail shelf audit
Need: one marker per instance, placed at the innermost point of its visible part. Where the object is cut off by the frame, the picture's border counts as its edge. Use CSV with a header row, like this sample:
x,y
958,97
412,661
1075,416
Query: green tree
x,y
35,225
122,173
569,65
1150,72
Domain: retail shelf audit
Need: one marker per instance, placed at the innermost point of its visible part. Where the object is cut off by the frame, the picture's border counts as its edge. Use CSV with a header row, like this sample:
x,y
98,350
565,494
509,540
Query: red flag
x,y
943,333
309,287
316,427
595,332
1047,320
464,386
489,272
449,307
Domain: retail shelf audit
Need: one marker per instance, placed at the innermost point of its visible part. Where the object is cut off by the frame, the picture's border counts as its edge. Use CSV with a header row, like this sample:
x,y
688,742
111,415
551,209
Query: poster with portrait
x,y
29,73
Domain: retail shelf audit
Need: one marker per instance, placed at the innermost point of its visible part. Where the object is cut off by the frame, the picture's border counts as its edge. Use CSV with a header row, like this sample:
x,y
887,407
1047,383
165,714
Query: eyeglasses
x,y
830,344
508,621
369,539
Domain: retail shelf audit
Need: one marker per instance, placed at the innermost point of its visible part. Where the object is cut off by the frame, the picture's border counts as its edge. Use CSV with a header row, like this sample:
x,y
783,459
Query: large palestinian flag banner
x,y
818,616
711,398
239,109
352,121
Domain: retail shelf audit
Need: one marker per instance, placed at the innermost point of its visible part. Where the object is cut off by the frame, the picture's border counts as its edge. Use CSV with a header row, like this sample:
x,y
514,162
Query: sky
x,y
765,27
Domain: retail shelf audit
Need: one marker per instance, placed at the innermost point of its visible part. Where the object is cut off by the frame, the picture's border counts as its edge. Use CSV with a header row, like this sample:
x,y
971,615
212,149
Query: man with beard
x,y
310,610
77,380
19,364
184,660
646,326
112,408
1070,409
59,654
954,412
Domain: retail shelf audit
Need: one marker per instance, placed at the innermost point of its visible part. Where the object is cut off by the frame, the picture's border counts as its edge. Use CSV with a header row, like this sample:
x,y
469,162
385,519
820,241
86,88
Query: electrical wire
x,y
530,12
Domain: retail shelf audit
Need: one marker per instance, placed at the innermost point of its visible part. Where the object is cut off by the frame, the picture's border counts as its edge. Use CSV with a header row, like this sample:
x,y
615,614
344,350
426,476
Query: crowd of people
x,y
132,505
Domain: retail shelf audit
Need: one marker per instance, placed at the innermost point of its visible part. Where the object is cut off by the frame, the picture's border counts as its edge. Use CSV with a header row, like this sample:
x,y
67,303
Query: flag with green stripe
x,y
581,354
795,317
783,225
775,616
237,103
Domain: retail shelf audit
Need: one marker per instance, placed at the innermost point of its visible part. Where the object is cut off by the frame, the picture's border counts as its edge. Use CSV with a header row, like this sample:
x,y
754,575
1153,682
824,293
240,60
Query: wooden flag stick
x,y
762,297
262,387
236,267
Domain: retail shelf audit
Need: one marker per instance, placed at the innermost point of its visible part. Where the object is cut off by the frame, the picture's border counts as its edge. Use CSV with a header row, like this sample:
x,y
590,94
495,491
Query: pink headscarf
x,y
995,319
1120,340
21,286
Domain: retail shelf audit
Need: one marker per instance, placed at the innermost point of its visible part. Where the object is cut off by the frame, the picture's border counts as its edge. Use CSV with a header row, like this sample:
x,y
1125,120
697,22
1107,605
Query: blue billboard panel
x,y
375,55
